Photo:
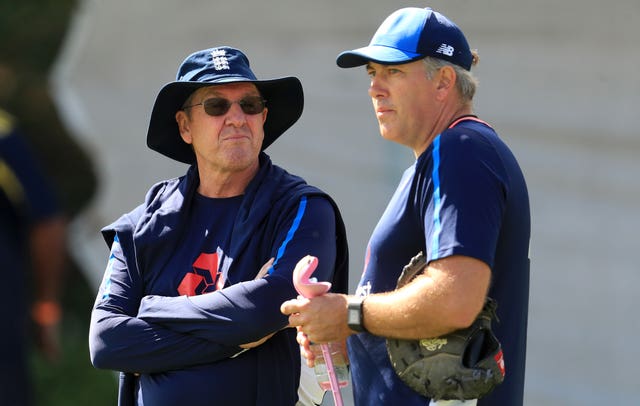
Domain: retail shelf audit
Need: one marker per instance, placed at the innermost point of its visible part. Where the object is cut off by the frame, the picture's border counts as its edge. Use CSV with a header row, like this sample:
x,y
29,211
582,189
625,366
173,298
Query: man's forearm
x,y
446,297
48,256
123,343
48,261
240,314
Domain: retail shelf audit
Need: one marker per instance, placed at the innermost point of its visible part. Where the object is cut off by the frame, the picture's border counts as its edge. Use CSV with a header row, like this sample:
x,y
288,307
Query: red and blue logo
x,y
207,275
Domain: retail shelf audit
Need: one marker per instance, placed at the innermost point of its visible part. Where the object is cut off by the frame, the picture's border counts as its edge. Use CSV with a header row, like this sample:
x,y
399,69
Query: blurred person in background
x,y
32,248
57,180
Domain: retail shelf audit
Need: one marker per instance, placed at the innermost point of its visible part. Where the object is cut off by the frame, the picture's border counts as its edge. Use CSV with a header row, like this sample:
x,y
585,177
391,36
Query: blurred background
x,y
558,80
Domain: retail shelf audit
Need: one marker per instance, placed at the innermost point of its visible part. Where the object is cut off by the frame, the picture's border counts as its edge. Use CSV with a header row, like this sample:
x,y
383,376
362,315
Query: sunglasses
x,y
218,106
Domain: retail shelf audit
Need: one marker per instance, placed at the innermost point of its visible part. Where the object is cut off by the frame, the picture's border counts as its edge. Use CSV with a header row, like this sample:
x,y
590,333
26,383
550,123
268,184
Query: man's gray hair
x,y
466,82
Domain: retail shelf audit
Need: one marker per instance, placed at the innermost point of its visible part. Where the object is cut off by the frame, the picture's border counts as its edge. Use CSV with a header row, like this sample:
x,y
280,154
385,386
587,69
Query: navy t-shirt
x,y
465,195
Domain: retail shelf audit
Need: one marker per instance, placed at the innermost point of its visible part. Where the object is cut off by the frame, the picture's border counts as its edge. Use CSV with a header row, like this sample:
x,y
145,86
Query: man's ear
x,y
445,81
182,119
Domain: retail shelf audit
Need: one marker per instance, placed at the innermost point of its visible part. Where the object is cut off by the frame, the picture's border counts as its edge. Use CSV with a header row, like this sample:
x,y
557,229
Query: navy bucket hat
x,y
217,66
410,34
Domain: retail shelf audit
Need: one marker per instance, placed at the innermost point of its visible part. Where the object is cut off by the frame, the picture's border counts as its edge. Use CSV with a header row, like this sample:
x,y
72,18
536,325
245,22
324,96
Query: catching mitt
x,y
465,364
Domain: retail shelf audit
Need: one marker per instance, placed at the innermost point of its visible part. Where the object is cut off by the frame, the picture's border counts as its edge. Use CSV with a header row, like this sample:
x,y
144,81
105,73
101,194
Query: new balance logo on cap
x,y
445,50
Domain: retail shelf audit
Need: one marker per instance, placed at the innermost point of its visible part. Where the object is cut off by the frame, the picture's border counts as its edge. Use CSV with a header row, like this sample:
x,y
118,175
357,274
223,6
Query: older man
x,y
186,308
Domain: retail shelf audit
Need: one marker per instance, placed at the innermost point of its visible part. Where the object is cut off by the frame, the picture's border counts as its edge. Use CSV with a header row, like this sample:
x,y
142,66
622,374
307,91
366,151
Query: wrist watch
x,y
354,313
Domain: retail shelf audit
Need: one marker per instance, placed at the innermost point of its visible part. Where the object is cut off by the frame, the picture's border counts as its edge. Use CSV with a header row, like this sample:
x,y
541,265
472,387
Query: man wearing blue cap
x,y
463,203
188,309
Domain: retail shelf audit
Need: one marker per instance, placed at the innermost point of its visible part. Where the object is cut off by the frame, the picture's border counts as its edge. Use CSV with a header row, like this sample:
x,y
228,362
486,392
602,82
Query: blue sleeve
x,y
120,341
464,214
248,311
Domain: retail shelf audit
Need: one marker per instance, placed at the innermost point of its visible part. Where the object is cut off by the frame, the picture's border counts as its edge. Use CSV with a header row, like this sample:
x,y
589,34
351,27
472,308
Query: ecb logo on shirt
x,y
209,274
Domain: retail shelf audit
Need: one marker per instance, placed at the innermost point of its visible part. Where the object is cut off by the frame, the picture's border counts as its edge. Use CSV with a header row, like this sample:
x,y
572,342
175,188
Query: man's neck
x,y
221,184
441,124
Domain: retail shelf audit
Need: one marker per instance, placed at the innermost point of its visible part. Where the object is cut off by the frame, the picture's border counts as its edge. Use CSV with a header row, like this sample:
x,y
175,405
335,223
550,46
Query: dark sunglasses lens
x,y
252,105
216,106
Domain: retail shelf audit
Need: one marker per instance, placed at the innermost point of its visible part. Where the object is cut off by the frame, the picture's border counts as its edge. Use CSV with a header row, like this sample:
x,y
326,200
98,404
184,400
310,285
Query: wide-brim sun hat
x,y
218,66
409,34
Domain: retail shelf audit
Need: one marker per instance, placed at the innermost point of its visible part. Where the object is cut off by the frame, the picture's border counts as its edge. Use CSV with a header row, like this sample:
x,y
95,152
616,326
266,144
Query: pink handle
x,y
303,270
301,274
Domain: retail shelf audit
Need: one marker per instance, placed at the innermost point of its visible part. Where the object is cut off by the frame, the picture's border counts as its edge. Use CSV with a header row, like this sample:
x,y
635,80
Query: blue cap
x,y
410,34
219,66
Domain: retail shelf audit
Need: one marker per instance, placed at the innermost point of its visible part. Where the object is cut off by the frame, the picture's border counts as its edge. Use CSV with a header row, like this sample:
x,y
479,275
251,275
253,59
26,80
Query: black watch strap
x,y
354,313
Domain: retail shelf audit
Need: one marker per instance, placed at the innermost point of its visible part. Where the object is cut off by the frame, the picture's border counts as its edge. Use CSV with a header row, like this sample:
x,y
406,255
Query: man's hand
x,y
322,318
305,348
307,353
264,271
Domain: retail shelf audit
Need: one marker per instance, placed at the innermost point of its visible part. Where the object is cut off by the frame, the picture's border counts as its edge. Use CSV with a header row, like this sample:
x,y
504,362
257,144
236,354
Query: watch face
x,y
354,315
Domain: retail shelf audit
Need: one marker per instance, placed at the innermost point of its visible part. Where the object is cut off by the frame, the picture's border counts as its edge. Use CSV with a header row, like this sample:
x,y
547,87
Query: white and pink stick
x,y
311,288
